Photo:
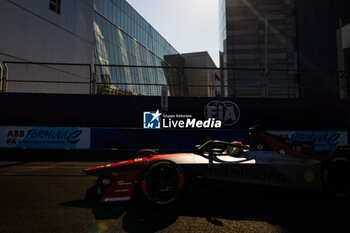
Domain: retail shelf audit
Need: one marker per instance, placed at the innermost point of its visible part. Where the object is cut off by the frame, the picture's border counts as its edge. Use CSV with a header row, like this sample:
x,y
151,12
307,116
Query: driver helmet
x,y
233,150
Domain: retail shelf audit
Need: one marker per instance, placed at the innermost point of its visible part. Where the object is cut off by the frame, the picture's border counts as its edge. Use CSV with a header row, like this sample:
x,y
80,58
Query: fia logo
x,y
226,111
151,120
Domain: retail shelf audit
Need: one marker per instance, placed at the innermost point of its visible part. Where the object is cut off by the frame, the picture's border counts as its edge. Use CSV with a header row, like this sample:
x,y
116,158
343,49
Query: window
x,y
55,5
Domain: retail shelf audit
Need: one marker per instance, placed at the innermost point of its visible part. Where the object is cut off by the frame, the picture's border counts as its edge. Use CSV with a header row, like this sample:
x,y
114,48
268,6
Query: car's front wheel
x,y
162,182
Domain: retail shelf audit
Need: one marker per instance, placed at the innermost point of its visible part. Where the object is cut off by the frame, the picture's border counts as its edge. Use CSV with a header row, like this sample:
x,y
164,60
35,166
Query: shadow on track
x,y
297,213
135,218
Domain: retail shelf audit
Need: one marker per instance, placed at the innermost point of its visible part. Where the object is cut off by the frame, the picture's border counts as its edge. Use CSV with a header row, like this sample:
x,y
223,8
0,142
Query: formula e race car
x,y
265,160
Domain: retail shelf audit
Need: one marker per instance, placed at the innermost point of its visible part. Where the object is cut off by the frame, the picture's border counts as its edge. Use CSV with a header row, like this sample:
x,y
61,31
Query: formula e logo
x,y
226,111
151,120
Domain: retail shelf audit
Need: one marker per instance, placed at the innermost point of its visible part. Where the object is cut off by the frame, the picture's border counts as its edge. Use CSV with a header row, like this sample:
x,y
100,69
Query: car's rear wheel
x,y
337,176
162,182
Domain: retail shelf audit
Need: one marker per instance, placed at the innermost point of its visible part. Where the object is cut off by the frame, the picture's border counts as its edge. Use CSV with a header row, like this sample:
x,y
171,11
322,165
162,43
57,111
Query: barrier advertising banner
x,y
37,137
323,140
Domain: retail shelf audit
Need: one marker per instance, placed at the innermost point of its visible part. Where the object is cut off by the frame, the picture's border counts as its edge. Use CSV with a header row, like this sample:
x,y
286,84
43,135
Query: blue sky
x,y
188,25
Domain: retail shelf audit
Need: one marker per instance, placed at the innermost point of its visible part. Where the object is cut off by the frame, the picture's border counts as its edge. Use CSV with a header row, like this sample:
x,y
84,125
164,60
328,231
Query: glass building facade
x,y
258,48
125,43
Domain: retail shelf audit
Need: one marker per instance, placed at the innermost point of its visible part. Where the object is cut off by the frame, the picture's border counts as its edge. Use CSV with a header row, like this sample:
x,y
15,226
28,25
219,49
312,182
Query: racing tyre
x,y
337,176
162,182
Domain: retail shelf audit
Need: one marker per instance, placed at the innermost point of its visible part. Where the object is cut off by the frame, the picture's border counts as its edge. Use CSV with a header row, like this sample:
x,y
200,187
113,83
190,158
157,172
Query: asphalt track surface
x,y
48,196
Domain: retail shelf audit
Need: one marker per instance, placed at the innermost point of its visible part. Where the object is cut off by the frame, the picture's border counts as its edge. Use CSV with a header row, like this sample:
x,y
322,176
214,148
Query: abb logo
x,y
16,133
13,136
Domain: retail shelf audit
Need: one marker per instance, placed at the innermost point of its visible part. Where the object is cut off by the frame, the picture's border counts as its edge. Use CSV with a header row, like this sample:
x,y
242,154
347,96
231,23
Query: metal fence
x,y
99,79
148,80
47,78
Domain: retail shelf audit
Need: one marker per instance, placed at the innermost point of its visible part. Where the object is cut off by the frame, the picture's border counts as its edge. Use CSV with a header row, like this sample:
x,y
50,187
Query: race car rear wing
x,y
261,140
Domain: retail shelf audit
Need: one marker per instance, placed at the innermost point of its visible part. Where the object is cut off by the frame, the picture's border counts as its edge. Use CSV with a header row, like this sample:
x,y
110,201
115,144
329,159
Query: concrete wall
x,y
30,31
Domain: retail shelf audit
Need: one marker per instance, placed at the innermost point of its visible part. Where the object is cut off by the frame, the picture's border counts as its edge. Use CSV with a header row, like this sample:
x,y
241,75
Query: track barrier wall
x,y
105,122
134,139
